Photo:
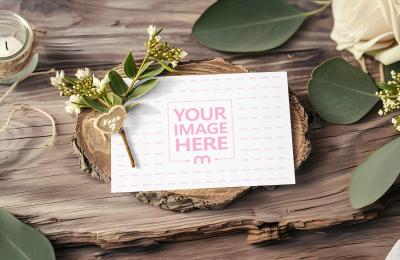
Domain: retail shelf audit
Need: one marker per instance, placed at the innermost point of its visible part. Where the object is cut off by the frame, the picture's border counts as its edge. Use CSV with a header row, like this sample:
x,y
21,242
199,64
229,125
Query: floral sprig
x,y
390,96
86,90
162,51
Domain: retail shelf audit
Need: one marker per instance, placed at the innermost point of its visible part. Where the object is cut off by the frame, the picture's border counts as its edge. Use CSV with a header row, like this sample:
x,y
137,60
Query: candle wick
x,y
6,45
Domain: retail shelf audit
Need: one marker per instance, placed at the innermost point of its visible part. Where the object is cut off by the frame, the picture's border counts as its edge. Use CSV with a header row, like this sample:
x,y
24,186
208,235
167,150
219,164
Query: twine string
x,y
9,92
26,107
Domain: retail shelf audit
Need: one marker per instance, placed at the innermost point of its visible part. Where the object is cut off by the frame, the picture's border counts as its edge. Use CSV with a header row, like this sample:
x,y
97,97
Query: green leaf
x,y
341,93
95,105
159,31
130,106
114,99
384,86
152,73
117,84
70,80
19,241
145,67
165,66
142,89
130,66
388,68
371,179
247,25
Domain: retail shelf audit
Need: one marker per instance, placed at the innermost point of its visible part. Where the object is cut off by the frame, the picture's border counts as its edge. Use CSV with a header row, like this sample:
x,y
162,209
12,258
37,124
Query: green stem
x,y
136,78
322,8
103,102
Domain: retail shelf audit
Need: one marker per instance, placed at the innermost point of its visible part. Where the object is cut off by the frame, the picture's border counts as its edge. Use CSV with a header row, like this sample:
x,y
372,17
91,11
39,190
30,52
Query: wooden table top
x,y
98,34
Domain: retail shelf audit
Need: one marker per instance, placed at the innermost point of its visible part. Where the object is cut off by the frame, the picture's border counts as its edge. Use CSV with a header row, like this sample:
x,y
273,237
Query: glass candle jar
x,y
18,56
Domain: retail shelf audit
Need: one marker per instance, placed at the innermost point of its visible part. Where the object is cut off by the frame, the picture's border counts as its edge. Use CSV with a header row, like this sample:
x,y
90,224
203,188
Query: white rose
x,y
368,27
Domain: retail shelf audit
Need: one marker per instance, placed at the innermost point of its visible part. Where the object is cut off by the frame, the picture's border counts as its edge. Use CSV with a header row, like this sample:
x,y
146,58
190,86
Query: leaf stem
x,y
135,79
322,8
128,149
103,102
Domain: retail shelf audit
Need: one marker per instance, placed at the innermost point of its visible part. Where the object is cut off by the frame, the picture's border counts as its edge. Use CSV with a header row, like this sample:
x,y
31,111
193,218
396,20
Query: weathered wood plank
x,y
367,241
81,32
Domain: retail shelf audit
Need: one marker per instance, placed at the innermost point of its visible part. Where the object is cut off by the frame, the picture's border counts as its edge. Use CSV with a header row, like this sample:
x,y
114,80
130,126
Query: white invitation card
x,y
207,131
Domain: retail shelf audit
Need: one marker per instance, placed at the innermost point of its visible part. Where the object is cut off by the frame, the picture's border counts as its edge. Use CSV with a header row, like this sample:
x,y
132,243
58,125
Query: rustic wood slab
x,y
45,187
95,155
365,241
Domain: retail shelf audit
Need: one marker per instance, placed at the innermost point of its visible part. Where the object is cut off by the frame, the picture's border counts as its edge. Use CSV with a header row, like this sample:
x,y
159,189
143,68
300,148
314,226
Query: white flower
x,y
368,27
183,54
82,73
174,63
101,85
58,79
75,99
151,30
396,122
72,105
96,82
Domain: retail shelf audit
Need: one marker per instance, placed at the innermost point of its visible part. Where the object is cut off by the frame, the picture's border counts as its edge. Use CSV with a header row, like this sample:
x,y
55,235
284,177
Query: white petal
x,y
77,110
75,99
54,81
69,107
82,73
183,54
151,30
96,82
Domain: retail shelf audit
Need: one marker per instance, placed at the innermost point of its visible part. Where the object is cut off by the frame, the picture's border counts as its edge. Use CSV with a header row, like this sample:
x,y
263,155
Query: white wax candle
x,y
9,46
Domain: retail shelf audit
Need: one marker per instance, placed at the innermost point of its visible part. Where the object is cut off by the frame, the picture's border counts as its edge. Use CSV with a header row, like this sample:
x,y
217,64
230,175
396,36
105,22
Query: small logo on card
x,y
200,132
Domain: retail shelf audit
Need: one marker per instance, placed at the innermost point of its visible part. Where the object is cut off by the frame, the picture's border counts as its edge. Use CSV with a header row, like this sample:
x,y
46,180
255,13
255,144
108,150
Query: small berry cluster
x,y
163,51
390,97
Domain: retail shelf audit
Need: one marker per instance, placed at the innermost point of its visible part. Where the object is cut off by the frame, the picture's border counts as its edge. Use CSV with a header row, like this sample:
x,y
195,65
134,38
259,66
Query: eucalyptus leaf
x,y
142,89
130,66
114,99
95,105
152,73
117,84
19,241
387,69
247,25
341,93
371,179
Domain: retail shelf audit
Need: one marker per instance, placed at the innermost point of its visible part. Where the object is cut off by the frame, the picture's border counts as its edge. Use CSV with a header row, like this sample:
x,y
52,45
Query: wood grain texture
x,y
45,188
95,155
365,241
